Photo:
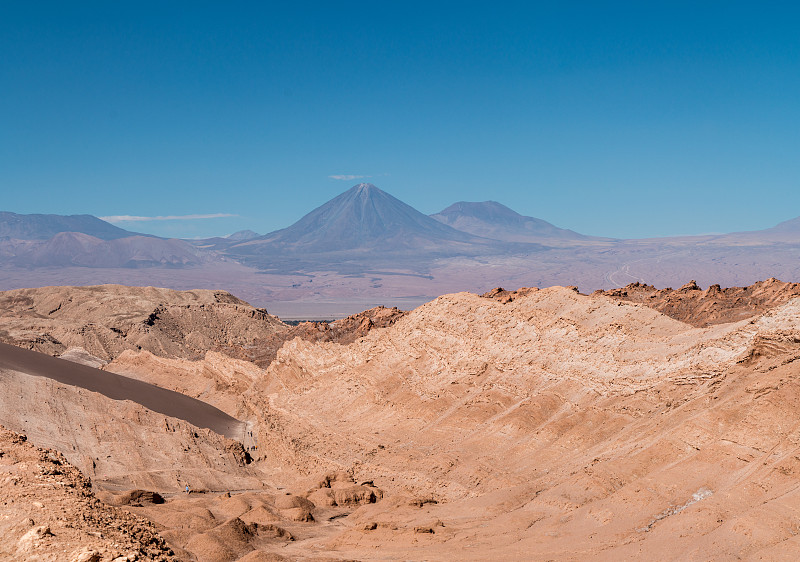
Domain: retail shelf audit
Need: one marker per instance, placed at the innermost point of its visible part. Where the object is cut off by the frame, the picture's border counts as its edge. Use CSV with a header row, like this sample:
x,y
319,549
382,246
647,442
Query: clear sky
x,y
626,119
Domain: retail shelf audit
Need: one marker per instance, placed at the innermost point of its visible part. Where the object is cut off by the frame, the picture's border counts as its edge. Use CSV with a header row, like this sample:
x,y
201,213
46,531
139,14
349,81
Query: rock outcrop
x,y
714,305
50,513
530,424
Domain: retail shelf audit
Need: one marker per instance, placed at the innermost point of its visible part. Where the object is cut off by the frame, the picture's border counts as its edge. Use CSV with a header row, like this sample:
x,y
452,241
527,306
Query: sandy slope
x,y
557,425
120,444
116,387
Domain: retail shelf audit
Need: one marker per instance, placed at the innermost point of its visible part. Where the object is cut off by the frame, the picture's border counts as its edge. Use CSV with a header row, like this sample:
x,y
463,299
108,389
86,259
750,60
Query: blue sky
x,y
626,119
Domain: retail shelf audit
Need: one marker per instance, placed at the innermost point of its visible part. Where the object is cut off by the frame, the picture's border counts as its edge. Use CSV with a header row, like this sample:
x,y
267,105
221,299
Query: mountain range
x,y
361,229
38,240
43,227
367,244
363,217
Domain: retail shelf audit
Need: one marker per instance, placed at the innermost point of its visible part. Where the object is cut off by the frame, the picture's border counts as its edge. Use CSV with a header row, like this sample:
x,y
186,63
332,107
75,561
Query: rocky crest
x,y
706,307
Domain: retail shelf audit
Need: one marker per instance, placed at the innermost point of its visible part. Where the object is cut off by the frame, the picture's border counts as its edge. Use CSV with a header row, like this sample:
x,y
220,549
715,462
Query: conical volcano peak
x,y
365,217
365,189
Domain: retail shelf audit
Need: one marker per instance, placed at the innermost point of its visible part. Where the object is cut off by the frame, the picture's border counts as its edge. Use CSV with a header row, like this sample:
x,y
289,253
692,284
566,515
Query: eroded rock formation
x,y
532,424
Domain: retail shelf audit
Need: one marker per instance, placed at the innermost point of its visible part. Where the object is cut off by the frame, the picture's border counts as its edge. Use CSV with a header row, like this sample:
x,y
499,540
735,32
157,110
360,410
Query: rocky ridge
x,y
263,351
105,320
569,425
706,307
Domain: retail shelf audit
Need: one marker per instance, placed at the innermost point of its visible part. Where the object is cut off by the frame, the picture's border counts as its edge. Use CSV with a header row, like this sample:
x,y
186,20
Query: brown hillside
x,y
263,350
117,443
555,426
551,425
106,320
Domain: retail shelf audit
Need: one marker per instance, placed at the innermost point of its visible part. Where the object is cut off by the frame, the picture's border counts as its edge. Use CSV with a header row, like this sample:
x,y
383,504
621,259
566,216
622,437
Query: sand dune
x,y
117,387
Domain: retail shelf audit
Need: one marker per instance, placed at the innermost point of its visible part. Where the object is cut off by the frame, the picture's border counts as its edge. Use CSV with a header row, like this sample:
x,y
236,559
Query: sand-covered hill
x,y
105,320
263,351
119,443
532,424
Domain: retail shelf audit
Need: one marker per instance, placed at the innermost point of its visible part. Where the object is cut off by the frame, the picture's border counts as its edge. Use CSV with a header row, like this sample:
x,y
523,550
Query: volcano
x,y
491,219
363,218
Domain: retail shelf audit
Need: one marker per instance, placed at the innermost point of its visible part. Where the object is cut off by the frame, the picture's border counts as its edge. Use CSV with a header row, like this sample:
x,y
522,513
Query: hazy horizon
x,y
171,226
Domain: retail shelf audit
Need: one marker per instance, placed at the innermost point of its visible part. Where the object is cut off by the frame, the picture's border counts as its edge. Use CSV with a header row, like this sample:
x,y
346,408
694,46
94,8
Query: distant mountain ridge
x,y
491,219
364,241
78,249
38,240
241,235
43,227
792,225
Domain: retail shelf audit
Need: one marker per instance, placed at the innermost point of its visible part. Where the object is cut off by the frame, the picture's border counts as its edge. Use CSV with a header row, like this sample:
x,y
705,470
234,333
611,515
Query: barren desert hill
x,y
115,387
96,324
549,425
714,305
105,320
125,434
570,426
344,331
690,303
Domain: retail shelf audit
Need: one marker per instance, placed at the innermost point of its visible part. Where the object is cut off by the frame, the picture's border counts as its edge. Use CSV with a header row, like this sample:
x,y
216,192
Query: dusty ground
x,y
50,514
538,424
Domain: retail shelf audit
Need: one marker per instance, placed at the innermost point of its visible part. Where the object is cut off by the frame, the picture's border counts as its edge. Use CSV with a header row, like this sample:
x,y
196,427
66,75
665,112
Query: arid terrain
x,y
50,513
535,424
